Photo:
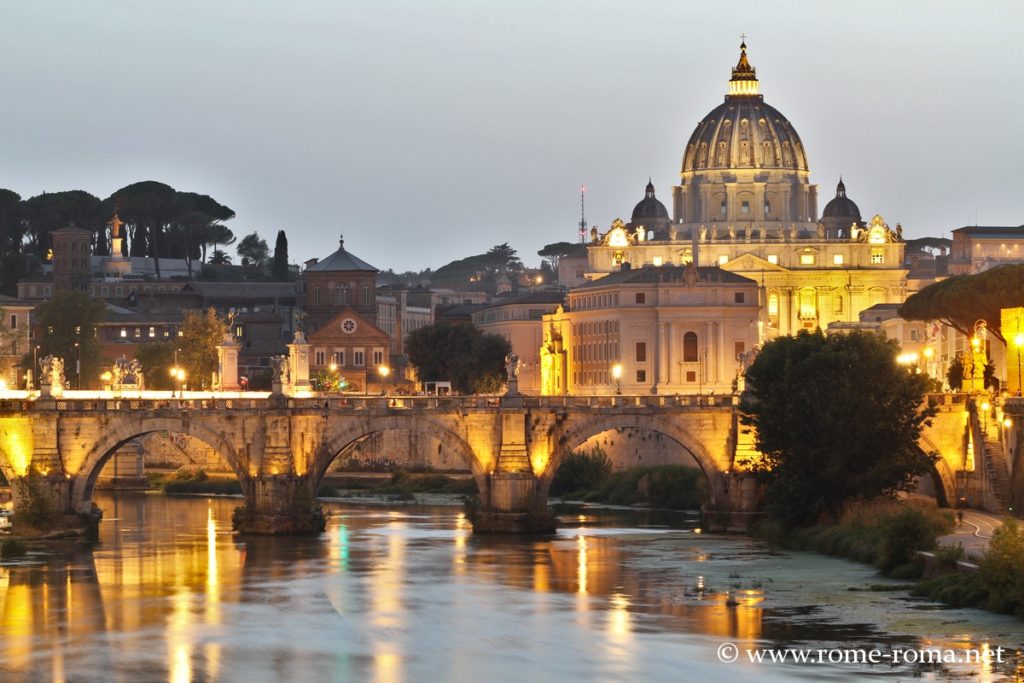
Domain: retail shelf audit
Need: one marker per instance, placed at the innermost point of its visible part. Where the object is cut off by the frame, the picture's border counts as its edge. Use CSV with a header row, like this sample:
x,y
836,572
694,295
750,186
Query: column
x,y
663,361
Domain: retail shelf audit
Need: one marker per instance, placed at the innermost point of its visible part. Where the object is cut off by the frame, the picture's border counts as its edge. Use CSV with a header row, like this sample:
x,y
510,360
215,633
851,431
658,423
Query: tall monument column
x,y
298,359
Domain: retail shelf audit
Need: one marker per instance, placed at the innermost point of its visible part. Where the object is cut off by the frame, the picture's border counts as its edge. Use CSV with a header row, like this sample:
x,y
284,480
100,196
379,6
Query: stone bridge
x,y
280,448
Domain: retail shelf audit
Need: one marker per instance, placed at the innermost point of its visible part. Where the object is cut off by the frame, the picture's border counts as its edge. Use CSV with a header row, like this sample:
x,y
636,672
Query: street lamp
x,y
384,372
617,374
179,375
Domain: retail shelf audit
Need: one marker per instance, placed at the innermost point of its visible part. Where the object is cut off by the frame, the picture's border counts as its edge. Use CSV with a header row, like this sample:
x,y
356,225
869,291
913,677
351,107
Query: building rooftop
x,y
340,260
667,274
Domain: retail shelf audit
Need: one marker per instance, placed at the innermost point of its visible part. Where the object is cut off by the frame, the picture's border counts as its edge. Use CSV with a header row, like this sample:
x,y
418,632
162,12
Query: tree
x,y
69,319
280,268
554,253
472,361
836,419
215,234
960,301
955,374
201,334
253,250
220,258
157,359
503,259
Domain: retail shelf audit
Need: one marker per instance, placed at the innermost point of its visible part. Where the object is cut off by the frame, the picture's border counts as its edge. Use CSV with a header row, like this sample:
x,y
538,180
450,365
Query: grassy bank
x,y
884,532
588,476
403,484
997,586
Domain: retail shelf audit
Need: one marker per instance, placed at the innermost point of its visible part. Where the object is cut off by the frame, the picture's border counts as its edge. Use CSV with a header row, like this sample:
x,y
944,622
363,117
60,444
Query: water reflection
x,y
409,594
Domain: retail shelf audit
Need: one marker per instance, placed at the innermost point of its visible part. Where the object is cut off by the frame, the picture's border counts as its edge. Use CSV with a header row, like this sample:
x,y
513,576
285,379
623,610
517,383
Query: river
x,y
406,593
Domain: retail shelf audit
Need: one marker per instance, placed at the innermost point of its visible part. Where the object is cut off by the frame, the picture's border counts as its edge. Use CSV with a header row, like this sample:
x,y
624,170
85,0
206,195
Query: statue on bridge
x,y
280,366
52,374
512,370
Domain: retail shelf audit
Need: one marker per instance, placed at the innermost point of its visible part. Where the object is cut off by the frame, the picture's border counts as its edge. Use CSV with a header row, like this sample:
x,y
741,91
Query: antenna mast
x,y
583,219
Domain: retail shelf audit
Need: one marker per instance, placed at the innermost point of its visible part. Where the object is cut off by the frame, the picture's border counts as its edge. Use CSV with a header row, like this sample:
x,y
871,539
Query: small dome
x,y
649,209
841,206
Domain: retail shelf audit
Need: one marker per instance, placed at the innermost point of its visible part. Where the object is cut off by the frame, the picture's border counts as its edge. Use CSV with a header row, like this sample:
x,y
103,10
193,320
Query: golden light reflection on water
x,y
168,573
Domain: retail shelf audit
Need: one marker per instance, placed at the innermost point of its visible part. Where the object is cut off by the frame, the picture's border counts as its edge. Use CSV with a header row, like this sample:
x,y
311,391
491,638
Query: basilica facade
x,y
744,206
745,203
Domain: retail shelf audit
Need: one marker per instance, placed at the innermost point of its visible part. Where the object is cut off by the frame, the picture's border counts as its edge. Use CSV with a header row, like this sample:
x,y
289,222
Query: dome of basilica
x,y
744,132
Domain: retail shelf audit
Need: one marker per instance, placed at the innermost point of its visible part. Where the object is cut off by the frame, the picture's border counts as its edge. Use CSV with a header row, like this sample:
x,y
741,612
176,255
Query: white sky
x,y
428,131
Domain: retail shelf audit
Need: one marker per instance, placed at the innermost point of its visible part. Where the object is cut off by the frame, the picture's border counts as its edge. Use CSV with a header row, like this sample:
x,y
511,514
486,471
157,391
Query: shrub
x,y
947,556
36,508
903,535
582,471
11,548
1002,570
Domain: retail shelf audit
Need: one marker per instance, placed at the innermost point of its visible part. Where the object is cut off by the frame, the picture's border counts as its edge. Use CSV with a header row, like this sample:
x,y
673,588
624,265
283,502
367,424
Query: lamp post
x,y
617,374
331,380
384,372
35,366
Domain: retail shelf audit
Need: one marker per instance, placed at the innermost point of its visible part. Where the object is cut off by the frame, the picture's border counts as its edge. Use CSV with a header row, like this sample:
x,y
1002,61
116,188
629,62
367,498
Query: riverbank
x,y
890,535
399,486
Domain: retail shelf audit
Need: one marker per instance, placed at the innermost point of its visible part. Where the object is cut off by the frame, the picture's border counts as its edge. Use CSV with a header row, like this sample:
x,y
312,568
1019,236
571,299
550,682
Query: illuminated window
x,y
837,259
878,255
124,333
773,259
152,332
767,207
138,332
722,208
690,347
806,259
773,304
657,261
723,259
808,309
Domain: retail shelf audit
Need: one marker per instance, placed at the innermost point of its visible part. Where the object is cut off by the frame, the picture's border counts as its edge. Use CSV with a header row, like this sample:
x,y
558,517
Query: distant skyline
x,y
427,132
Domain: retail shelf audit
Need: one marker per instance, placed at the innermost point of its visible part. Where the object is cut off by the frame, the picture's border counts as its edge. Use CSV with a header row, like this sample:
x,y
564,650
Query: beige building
x,y
746,205
14,339
518,319
977,248
401,312
669,329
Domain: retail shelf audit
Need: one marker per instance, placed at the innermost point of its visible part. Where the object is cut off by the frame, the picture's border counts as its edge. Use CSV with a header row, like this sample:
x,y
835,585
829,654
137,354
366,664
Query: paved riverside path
x,y
975,532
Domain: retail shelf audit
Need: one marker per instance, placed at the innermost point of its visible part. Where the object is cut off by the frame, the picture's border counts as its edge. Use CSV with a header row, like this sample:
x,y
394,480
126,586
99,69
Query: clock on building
x,y
348,325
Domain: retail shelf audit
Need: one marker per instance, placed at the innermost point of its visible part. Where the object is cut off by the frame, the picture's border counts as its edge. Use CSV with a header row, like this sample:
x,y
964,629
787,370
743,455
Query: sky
x,y
430,131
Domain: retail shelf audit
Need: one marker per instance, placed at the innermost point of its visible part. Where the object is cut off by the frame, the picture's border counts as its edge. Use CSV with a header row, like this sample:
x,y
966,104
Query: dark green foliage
x,y
1002,569
554,253
956,590
869,532
947,556
472,361
903,535
962,300
42,214
36,508
663,486
70,318
280,267
955,374
11,548
581,472
837,419
253,250
157,359
201,333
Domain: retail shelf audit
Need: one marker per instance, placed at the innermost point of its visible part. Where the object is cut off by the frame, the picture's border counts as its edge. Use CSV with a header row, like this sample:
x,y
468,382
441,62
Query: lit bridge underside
x,y
280,447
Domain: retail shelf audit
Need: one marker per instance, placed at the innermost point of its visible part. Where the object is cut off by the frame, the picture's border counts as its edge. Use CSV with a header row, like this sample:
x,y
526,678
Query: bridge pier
x,y
279,504
44,504
513,504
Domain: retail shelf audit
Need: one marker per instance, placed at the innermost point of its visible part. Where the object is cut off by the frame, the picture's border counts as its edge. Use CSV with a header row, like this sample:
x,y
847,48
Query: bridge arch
x,y
104,449
336,442
590,426
942,474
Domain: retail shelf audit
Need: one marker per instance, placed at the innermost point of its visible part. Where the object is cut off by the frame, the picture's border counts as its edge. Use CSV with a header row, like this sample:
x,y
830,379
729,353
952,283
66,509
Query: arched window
x,y
808,305
773,304
690,347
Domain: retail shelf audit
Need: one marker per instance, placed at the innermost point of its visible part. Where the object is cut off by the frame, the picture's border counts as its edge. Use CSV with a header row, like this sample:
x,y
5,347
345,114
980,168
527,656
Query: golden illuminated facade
x,y
664,330
745,204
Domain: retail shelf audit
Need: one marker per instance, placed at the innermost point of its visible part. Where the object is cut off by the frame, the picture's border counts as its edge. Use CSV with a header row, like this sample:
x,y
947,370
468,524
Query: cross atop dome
x,y
744,76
